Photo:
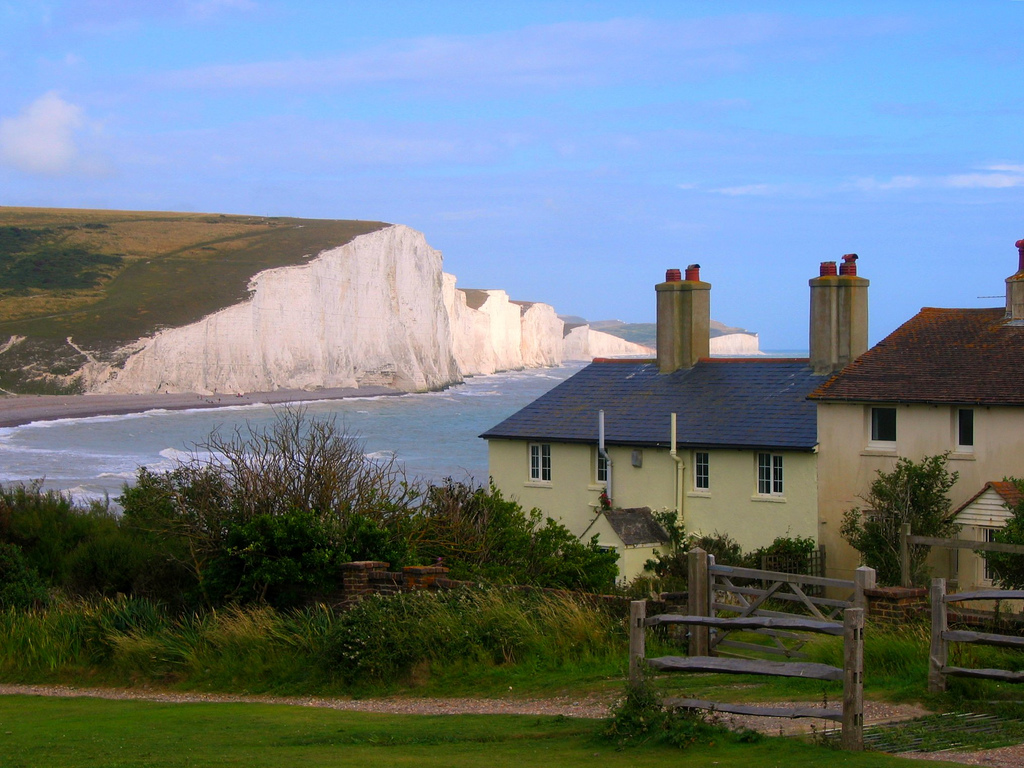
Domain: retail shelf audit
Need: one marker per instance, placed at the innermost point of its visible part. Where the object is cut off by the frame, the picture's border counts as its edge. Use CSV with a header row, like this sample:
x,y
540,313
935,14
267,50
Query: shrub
x,y
1008,569
480,535
913,492
383,639
275,559
20,585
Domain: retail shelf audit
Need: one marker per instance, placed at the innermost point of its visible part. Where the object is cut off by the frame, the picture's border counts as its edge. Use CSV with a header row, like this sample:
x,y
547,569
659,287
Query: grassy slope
x,y
137,272
43,732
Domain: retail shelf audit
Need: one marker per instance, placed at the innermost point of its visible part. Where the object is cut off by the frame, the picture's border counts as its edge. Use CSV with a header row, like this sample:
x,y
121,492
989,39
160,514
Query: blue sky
x,y
568,152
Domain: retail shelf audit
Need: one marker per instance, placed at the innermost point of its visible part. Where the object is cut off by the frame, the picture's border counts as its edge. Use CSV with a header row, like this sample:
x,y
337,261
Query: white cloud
x,y
749,189
546,56
896,182
985,180
42,138
995,176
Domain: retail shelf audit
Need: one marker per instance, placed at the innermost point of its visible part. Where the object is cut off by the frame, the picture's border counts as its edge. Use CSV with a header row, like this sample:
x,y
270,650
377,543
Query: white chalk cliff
x,y
375,311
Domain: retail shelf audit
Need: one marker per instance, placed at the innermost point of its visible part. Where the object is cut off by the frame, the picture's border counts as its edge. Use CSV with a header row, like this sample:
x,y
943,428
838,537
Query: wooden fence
x,y
746,592
942,636
851,715
907,539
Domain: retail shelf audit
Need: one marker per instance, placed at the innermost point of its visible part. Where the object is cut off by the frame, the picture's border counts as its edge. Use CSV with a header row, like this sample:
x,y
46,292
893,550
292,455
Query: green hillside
x,y
105,278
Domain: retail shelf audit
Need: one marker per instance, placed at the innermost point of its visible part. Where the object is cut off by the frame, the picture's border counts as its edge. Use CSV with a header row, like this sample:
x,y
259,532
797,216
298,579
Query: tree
x,y
1007,569
913,492
266,514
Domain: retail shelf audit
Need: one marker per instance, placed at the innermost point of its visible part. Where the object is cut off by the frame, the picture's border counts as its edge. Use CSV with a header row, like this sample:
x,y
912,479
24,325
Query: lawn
x,y
42,732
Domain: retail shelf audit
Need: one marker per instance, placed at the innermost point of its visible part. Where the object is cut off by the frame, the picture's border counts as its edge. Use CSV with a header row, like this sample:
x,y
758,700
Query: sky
x,y
567,152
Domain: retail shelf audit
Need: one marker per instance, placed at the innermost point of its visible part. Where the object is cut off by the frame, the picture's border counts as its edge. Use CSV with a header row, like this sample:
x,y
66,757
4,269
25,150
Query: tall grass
x,y
381,644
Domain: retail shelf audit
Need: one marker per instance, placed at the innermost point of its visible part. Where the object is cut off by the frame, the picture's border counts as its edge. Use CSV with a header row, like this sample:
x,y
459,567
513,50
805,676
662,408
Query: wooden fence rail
x,y
851,715
715,589
907,538
942,636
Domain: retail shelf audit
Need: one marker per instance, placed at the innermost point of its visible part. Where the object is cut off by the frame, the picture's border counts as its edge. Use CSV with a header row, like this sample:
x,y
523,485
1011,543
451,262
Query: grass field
x,y
105,278
44,732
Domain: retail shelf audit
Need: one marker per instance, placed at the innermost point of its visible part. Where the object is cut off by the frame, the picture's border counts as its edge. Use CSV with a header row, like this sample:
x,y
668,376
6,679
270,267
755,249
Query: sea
x,y
434,435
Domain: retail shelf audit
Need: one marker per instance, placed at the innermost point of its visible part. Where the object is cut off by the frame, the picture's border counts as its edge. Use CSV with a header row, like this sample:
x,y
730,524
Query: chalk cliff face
x,y
376,311
369,312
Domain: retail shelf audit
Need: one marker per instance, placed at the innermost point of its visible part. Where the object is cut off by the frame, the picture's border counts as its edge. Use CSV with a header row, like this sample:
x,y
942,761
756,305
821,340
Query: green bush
x,y
20,585
384,639
914,492
275,559
1008,569
480,535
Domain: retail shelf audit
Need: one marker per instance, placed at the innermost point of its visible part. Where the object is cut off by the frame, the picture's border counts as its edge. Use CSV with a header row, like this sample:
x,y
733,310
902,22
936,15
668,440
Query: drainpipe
x,y
679,471
604,453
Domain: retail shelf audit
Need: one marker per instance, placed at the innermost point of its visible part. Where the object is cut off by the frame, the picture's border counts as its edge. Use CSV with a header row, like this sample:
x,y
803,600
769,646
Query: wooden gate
x,y
725,590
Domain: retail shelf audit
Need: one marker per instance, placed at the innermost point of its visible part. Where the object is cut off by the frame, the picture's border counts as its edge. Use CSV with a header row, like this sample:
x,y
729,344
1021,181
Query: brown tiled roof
x,y
1008,490
964,356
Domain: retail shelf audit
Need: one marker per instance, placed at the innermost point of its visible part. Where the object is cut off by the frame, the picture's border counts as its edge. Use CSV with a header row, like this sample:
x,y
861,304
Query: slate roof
x,y
965,356
636,526
720,402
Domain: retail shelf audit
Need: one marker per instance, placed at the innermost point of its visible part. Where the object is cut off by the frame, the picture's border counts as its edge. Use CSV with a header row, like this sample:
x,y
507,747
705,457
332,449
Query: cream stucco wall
x,y
847,465
731,505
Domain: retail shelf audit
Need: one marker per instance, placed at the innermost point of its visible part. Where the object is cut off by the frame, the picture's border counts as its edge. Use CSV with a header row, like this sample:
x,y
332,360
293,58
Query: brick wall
x,y
898,605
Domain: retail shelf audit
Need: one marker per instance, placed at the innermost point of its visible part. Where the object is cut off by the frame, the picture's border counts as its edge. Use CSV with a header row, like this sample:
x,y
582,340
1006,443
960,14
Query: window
x,y
701,473
602,468
540,462
965,429
990,536
883,425
769,474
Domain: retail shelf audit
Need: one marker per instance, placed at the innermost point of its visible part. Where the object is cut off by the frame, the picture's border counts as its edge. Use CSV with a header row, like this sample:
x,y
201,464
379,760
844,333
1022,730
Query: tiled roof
x,y
735,403
969,356
1009,492
636,526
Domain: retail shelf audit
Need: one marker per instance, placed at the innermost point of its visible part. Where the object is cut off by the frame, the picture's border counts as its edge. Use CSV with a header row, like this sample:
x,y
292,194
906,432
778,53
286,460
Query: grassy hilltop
x,y
106,278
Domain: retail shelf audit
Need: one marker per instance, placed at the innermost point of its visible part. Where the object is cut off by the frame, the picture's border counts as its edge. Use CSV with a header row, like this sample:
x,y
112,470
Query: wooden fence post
x,y
853,679
905,556
863,578
637,640
699,604
938,654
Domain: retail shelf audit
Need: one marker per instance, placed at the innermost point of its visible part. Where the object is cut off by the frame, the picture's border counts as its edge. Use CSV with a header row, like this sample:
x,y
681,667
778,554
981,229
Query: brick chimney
x,y
684,319
1015,288
839,315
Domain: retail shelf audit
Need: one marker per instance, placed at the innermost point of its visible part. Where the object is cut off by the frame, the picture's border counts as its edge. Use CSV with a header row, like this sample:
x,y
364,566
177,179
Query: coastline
x,y
18,410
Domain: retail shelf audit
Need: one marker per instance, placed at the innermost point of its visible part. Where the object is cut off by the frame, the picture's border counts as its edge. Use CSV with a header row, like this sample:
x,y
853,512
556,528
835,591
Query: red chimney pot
x,y
849,265
827,269
1020,258
693,272
673,275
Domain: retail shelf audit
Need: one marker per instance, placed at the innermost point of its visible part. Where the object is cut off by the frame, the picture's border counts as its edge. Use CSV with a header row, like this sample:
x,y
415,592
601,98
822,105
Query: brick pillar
x,y
355,578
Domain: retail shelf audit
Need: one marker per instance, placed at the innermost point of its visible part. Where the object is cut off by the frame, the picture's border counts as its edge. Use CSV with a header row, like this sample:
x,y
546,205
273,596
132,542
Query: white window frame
x,y
600,468
540,462
988,535
874,441
701,471
770,474
958,425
